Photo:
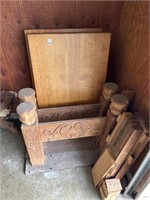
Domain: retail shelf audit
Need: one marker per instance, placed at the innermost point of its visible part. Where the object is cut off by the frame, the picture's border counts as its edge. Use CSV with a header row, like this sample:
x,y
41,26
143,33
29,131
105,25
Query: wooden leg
x,y
34,146
118,104
109,89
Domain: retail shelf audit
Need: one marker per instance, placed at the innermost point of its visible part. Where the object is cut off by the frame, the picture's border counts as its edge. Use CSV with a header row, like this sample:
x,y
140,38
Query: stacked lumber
x,y
122,147
141,142
118,104
123,138
110,189
103,166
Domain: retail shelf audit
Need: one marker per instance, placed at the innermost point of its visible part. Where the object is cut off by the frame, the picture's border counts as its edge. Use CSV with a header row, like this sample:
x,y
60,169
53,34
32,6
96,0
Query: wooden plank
x,y
121,122
63,160
68,112
137,149
44,31
102,167
84,86
69,129
131,129
131,52
125,151
66,30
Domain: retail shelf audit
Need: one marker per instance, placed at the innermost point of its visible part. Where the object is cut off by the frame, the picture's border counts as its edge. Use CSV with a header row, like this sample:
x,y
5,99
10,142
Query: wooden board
x,y
69,129
102,167
68,112
73,67
49,31
137,149
131,58
67,30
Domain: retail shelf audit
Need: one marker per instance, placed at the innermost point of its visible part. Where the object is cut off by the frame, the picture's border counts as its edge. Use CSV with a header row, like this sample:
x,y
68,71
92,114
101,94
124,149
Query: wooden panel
x,y
12,42
35,14
19,15
131,54
109,18
61,14
11,21
69,112
69,129
5,76
102,167
135,152
87,14
73,79
70,30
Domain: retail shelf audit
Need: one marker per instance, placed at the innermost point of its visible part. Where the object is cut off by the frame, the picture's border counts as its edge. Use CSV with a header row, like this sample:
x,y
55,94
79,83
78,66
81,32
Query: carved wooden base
x,y
68,127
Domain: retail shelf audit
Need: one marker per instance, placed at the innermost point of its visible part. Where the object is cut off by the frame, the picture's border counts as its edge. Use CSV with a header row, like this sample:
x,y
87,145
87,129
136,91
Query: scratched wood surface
x,y
73,68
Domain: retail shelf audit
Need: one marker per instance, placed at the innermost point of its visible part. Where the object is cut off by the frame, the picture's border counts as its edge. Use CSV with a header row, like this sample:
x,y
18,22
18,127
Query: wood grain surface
x,y
131,55
73,67
19,15
68,112
102,166
129,17
69,129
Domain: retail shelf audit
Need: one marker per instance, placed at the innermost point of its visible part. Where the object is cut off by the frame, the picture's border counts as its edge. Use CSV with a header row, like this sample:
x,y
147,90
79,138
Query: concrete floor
x,y
71,184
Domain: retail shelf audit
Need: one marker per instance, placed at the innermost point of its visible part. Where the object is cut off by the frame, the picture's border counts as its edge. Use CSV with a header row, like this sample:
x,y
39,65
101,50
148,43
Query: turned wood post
x,y
28,116
118,105
27,95
27,113
109,89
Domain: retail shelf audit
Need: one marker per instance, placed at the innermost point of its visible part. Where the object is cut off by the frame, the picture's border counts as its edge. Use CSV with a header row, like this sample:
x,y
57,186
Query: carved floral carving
x,y
31,138
72,130
74,113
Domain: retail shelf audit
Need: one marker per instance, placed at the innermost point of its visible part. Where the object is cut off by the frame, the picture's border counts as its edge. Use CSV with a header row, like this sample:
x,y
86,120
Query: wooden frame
x,y
67,128
58,123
